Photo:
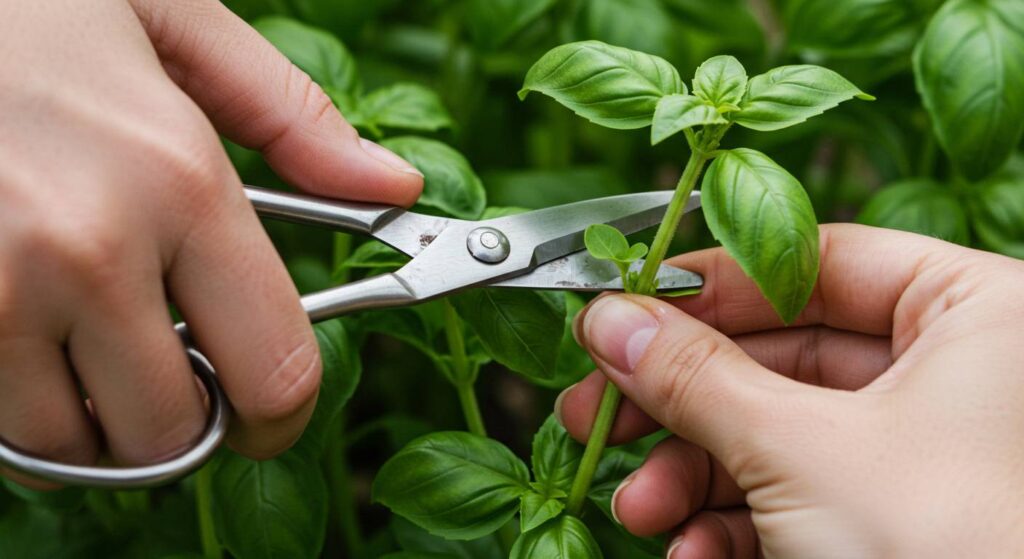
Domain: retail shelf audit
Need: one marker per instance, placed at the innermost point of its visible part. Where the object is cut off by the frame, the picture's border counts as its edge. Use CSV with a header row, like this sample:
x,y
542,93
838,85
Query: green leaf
x,y
453,484
341,373
521,329
763,217
536,509
494,212
493,22
721,81
408,106
274,508
412,538
564,537
605,242
969,68
450,184
790,95
919,206
374,255
315,51
611,86
728,23
997,210
636,252
676,113
852,28
556,457
650,29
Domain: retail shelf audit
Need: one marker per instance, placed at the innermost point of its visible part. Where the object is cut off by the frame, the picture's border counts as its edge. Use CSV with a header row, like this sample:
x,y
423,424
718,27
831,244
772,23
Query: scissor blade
x,y
557,231
582,272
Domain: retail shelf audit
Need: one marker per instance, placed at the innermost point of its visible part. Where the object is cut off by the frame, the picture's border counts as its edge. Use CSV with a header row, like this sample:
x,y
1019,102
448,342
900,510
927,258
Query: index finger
x,y
865,271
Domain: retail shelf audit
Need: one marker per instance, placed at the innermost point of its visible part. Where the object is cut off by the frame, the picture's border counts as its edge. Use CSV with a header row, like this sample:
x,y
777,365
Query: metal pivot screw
x,y
487,244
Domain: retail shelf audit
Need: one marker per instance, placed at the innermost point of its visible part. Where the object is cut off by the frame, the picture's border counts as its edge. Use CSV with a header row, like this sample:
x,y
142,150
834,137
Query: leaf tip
x,y
523,93
866,96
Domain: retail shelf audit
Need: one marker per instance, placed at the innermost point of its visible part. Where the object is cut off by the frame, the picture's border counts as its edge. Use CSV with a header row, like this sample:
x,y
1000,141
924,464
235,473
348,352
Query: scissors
x,y
540,249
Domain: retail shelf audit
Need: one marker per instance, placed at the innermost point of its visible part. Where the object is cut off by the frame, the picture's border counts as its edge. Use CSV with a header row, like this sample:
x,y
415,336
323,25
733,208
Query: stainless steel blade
x,y
582,272
558,231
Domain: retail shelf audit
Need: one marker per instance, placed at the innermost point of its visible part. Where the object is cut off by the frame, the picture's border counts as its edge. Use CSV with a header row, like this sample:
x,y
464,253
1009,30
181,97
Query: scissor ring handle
x,y
142,476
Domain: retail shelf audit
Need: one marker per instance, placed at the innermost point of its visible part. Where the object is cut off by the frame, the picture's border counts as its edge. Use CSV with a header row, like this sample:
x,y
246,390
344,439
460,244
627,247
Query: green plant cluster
x,y
433,436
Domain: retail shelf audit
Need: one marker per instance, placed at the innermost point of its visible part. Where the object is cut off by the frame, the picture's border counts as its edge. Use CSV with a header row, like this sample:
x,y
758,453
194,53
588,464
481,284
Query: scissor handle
x,y
354,217
384,290
142,476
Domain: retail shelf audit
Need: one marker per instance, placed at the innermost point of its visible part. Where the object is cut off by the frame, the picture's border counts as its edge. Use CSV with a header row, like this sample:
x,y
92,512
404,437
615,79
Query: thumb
x,y
691,378
257,98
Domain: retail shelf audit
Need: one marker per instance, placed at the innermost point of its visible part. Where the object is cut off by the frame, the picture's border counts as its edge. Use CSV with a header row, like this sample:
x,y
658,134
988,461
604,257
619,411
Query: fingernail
x,y
673,547
387,157
615,496
558,405
618,331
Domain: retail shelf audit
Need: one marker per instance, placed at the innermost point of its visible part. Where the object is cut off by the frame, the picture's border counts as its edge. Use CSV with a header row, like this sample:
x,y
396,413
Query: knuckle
x,y
90,250
291,384
315,103
685,367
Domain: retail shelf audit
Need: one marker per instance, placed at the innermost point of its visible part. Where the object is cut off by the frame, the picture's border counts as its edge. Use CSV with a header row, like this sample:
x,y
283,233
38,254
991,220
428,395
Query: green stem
x,y
659,247
463,376
471,409
701,148
595,448
204,510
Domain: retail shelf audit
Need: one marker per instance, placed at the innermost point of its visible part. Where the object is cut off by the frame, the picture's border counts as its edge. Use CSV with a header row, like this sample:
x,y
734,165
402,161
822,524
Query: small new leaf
x,y
676,113
790,95
611,86
722,82
453,484
605,242
565,537
762,216
536,509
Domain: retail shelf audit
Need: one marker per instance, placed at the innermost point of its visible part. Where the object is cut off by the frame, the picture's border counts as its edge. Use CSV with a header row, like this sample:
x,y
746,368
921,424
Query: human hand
x,y
885,423
117,194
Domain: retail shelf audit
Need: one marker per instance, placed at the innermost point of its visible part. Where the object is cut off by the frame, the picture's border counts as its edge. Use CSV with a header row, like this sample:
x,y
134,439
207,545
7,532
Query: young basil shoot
x,y
605,242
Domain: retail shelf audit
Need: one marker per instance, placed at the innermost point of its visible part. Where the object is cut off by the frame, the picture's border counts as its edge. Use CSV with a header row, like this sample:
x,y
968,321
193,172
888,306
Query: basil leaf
x,y
556,457
412,538
969,68
763,217
730,23
676,113
650,28
521,329
790,95
721,81
562,538
611,86
273,508
605,242
449,184
573,361
493,22
997,210
374,255
407,106
919,206
536,509
855,28
494,212
453,484
315,51
341,373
